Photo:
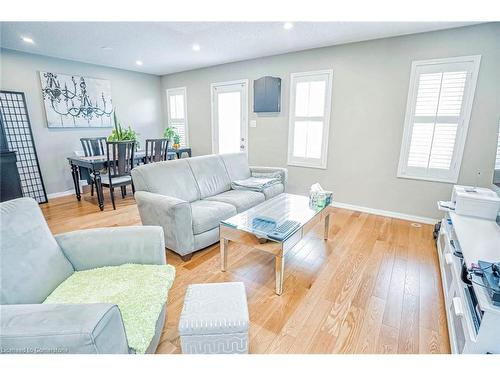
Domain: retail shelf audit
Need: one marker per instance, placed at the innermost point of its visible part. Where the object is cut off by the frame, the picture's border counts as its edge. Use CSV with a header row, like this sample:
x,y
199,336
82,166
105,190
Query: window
x,y
437,118
177,113
310,98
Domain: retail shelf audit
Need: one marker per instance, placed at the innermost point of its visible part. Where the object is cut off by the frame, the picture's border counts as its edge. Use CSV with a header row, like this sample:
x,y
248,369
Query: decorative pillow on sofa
x,y
139,290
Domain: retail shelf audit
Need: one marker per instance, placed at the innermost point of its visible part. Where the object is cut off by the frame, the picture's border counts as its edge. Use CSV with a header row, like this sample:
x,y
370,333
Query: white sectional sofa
x,y
189,197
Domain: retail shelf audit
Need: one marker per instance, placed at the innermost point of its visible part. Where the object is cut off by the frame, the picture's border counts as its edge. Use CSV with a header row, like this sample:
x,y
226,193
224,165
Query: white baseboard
x,y
60,194
67,192
396,215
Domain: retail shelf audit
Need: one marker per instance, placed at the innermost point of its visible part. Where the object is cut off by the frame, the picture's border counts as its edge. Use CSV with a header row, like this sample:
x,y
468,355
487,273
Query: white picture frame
x,y
73,101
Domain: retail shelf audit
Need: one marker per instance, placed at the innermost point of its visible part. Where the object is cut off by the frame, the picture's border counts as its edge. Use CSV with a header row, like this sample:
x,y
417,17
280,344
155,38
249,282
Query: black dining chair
x,y
157,150
93,147
120,162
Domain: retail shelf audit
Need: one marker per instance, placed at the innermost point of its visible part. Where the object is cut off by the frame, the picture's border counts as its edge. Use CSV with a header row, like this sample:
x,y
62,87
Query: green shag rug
x,y
139,290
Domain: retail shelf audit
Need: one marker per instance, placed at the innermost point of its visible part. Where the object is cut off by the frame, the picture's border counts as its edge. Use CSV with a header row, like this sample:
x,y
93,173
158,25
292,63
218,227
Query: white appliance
x,y
473,320
474,201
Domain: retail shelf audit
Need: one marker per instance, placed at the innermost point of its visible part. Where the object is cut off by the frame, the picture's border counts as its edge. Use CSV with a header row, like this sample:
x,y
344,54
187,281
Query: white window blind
x,y
310,98
437,117
177,113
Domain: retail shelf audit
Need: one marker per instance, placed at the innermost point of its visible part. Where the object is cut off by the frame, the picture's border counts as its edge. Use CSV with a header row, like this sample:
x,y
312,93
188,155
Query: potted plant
x,y
169,134
120,134
177,141
172,136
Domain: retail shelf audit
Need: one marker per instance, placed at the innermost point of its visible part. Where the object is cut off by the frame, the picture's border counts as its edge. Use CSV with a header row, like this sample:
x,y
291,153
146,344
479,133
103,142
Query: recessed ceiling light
x,y
196,47
106,48
28,40
288,25
139,62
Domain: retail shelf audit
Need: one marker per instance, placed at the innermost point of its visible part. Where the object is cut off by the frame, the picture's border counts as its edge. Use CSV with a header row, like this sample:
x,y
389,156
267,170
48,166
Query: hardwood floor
x,y
374,287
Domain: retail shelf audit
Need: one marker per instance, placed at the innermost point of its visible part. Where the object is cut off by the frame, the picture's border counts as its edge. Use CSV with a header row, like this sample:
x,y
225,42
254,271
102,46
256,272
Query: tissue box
x,y
478,202
320,199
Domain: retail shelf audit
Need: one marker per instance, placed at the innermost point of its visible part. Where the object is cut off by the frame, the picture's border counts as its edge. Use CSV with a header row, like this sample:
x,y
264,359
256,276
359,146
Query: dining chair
x,y
92,147
157,150
120,162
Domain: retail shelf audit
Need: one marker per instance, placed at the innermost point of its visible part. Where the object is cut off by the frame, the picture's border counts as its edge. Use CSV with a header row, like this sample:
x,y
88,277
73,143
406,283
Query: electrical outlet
x,y
253,123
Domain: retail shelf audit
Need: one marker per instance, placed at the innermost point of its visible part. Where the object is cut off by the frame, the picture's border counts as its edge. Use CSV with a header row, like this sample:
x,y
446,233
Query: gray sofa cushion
x,y
32,263
173,178
236,165
210,174
208,214
241,199
115,246
274,190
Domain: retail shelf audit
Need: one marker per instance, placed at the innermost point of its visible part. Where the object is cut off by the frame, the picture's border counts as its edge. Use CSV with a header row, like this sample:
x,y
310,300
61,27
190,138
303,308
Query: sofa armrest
x,y
172,214
282,172
58,328
100,247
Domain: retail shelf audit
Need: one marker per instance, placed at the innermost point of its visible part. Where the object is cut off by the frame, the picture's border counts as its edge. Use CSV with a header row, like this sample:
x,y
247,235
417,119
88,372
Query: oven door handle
x,y
448,258
458,307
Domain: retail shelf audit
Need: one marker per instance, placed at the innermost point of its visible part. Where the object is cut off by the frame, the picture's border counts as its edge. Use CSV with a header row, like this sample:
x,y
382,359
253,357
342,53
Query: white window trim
x,y
462,131
169,121
244,109
326,129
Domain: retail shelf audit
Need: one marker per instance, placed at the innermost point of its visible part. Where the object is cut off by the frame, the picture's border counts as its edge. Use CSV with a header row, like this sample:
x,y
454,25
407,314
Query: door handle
x,y
448,258
457,306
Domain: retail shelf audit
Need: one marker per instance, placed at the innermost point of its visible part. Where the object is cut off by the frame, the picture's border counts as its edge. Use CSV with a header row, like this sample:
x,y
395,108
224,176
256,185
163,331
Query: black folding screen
x,y
17,130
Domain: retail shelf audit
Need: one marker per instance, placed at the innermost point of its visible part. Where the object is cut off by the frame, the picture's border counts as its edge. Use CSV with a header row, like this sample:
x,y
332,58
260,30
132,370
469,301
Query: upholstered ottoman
x,y
214,319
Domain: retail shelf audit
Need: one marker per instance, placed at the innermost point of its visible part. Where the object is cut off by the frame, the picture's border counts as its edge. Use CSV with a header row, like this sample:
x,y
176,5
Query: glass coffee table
x,y
244,228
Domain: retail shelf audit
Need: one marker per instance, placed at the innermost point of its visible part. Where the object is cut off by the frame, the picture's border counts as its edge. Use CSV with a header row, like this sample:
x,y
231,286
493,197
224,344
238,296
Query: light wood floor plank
x,y
387,340
428,341
394,300
409,328
367,342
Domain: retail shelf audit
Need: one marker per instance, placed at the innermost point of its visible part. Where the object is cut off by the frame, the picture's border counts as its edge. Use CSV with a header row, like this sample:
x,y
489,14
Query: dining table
x,y
91,167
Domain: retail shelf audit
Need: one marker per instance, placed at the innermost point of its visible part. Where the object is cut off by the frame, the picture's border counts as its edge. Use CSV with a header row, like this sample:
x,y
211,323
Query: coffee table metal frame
x,y
278,249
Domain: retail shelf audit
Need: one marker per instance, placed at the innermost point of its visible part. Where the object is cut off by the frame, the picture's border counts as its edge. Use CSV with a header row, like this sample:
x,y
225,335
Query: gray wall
x,y
370,87
136,96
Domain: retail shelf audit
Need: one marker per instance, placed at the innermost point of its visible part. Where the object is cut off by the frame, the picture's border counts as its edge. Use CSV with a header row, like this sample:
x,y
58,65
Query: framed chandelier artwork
x,y
76,102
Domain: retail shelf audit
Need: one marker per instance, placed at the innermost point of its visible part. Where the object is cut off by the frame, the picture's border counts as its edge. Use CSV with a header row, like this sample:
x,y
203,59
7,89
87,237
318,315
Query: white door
x,y
229,116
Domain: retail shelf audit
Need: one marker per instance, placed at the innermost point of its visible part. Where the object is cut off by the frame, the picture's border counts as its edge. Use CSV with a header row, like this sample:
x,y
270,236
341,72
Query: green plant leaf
x,y
169,133
120,133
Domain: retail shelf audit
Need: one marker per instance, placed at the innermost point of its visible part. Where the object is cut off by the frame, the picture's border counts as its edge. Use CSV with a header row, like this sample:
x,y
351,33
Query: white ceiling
x,y
166,47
